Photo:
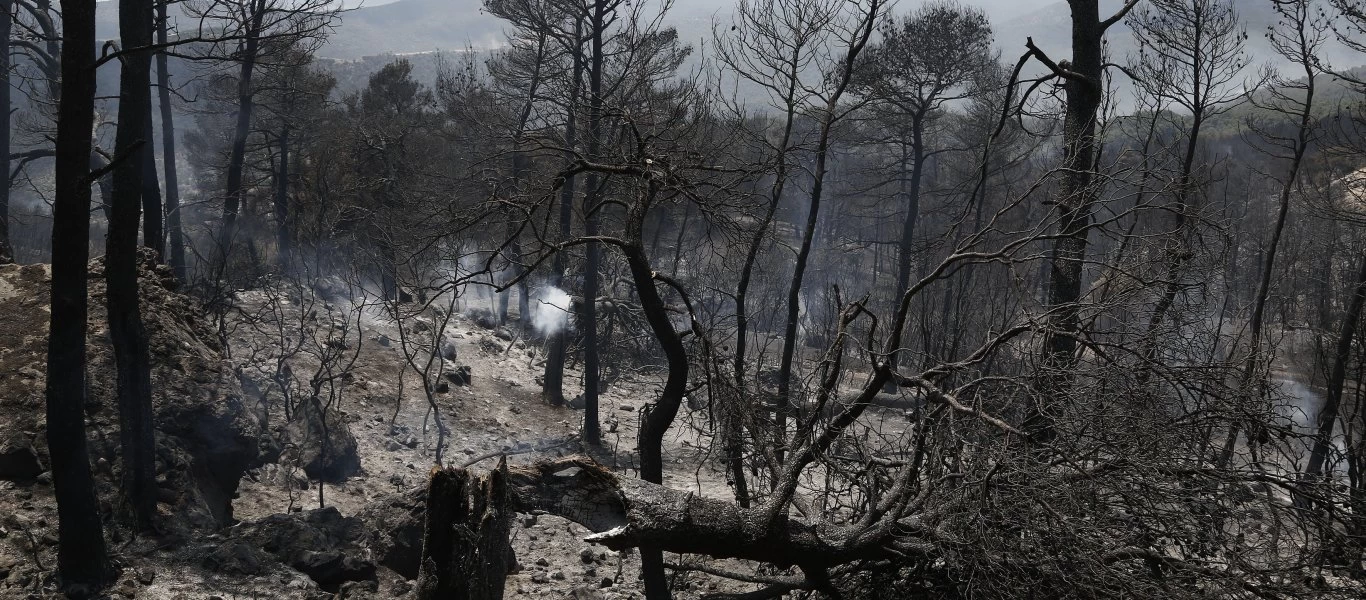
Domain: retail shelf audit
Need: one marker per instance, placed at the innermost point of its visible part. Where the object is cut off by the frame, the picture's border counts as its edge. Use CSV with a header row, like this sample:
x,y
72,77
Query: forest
x,y
843,299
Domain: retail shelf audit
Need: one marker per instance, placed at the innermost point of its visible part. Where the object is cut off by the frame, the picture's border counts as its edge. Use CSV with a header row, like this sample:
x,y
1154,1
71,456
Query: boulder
x,y
322,544
394,525
208,434
322,442
18,460
459,375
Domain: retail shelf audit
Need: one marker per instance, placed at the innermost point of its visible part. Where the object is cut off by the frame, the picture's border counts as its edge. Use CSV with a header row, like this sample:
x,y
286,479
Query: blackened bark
x,y
82,561
783,402
1077,196
1328,416
912,196
592,368
734,429
176,251
599,19
152,234
283,248
245,101
466,552
553,389
661,415
1268,262
126,332
6,24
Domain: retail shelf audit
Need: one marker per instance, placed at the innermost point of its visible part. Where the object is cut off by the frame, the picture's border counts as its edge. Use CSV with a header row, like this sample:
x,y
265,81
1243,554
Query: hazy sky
x,y
996,8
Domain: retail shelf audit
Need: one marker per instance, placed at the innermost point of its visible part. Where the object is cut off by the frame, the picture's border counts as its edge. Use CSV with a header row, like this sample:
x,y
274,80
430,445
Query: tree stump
x,y
466,554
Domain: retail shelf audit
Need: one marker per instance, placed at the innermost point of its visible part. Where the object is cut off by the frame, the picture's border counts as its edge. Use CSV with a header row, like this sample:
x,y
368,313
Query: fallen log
x,y
627,513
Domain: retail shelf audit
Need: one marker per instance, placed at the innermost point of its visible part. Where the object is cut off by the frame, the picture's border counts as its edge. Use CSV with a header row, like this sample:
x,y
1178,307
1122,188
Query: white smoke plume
x,y
550,310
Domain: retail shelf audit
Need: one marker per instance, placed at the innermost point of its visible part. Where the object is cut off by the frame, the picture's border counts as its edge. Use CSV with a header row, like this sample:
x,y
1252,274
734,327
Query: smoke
x,y
550,310
1301,403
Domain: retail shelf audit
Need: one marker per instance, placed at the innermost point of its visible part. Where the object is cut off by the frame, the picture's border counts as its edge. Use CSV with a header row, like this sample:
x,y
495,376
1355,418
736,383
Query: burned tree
x,y
133,151
82,560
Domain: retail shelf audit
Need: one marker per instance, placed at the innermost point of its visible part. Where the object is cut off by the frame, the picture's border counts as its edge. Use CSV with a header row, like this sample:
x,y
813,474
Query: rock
x,y
586,555
358,589
490,346
529,521
539,578
626,407
18,459
482,317
447,349
557,575
44,478
145,576
504,334
235,558
383,340
542,562
410,442
326,448
322,544
394,526
577,402
331,568
459,375
442,387
605,583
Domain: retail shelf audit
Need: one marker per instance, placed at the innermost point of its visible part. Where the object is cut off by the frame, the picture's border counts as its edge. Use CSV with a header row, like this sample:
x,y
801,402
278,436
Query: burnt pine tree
x,y
854,39
131,355
924,61
553,389
6,25
175,249
1077,195
82,561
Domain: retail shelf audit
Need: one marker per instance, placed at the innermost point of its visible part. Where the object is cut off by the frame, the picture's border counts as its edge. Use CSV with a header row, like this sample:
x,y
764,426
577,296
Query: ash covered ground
x,y
241,481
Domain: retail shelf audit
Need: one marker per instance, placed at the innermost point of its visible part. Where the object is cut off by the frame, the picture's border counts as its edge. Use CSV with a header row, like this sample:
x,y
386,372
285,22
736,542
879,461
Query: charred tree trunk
x,y
912,195
1255,323
734,445
126,332
176,250
1078,194
599,19
153,235
82,561
245,101
283,248
783,401
553,389
633,513
466,553
6,25
1328,416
